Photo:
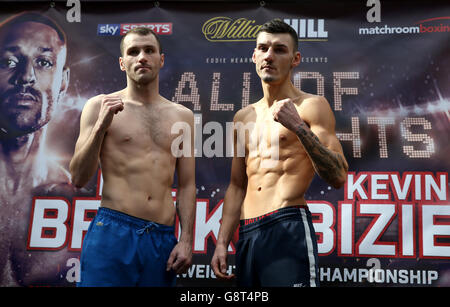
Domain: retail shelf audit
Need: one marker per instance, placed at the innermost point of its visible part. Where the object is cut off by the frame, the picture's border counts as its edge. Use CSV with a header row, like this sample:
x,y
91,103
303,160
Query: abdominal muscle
x,y
281,186
140,188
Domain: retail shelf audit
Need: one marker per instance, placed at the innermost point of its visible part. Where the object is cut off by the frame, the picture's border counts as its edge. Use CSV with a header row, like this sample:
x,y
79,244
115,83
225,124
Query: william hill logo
x,y
225,29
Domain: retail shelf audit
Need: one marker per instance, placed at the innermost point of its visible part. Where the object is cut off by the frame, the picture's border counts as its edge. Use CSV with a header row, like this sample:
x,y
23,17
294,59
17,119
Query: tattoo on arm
x,y
328,164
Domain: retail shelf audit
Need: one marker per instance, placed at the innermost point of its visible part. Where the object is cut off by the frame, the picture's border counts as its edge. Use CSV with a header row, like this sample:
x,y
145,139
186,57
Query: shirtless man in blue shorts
x,y
277,244
131,241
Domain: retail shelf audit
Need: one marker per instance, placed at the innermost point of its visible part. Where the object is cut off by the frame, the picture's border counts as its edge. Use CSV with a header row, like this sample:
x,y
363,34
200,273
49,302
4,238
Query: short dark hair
x,y
143,31
34,17
276,26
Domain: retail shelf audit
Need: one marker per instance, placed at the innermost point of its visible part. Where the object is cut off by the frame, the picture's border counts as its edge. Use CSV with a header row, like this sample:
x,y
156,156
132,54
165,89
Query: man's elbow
x,y
75,177
340,181
77,182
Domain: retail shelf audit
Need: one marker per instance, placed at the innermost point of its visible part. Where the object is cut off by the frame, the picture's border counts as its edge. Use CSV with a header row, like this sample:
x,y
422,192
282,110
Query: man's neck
x,y
276,92
143,93
19,150
21,162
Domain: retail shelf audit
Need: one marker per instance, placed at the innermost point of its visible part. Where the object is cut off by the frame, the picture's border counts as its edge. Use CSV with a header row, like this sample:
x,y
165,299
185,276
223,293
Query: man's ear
x,y
296,60
253,56
122,67
64,82
162,60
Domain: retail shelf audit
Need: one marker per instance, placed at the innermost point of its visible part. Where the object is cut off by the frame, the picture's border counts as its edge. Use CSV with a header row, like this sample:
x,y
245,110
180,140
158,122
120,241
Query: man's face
x,y
141,59
274,57
32,76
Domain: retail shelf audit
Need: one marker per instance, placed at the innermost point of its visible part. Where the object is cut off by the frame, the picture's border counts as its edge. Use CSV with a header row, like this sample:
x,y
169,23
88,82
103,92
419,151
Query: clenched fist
x,y
285,112
110,106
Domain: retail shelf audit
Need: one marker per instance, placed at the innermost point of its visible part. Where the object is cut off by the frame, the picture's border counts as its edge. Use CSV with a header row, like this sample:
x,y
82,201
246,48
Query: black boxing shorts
x,y
278,249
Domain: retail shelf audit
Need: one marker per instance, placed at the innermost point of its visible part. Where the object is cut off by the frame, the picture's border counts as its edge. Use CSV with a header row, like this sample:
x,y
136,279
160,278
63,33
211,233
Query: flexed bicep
x,y
93,125
321,143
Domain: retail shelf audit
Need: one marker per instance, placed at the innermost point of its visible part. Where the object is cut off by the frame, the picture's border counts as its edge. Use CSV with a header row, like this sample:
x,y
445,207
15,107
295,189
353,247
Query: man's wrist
x,y
185,239
221,242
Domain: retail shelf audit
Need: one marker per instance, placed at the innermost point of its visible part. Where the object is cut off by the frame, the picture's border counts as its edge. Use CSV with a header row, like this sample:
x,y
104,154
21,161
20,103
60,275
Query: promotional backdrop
x,y
383,67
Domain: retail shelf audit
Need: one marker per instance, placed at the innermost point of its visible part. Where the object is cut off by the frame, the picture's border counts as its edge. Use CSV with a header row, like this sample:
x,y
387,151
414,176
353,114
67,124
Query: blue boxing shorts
x,y
278,249
123,250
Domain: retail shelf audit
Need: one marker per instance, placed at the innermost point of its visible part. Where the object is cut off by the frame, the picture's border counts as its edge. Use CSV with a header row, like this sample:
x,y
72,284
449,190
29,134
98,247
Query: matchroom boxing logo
x,y
429,25
423,26
116,29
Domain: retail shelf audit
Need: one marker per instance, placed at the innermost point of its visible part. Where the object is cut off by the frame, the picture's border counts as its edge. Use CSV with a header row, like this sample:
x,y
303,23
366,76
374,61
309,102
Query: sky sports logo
x,y
113,29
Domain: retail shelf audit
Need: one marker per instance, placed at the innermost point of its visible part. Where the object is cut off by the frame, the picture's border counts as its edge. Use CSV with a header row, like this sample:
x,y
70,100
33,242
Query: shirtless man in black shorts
x,y
277,244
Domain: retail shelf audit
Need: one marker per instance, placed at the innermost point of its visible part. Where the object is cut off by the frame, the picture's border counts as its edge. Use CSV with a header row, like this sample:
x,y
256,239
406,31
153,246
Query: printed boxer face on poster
x,y
142,59
32,76
274,56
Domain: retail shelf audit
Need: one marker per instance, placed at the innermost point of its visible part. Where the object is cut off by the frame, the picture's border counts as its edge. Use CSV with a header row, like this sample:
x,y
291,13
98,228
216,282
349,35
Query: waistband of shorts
x,y
265,219
132,221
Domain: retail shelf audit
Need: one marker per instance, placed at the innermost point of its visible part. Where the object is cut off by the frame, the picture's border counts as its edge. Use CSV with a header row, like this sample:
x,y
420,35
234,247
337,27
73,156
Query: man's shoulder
x,y
94,101
312,100
179,109
243,113
316,109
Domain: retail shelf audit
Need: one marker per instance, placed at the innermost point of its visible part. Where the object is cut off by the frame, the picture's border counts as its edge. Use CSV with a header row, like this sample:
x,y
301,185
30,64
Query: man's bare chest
x,y
264,133
141,129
